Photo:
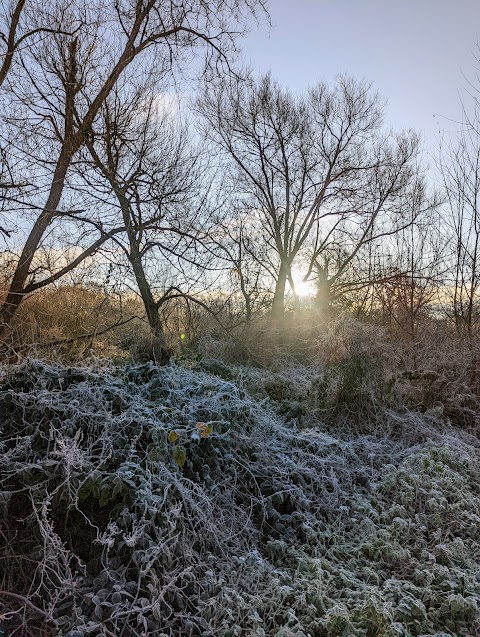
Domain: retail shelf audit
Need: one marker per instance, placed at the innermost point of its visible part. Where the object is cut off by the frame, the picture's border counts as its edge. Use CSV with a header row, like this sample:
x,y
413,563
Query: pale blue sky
x,y
414,51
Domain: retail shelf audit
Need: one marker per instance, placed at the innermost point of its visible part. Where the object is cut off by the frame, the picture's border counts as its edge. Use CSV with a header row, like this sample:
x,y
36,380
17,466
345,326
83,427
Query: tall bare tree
x,y
64,84
145,162
310,170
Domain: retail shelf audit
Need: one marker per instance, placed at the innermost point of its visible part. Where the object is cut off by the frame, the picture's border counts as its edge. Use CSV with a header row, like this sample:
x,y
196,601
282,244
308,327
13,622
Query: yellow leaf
x,y
172,436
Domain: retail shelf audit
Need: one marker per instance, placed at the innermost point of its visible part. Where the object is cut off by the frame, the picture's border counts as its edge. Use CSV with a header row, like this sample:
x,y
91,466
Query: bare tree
x,y
356,266
146,163
66,82
407,295
311,171
239,250
459,167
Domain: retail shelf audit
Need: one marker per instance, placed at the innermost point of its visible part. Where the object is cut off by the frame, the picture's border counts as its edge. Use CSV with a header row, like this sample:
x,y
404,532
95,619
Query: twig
x,y
24,600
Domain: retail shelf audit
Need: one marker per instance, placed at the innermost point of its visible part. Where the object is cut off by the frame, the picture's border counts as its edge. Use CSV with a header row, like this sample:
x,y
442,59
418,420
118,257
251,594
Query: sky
x,y
417,53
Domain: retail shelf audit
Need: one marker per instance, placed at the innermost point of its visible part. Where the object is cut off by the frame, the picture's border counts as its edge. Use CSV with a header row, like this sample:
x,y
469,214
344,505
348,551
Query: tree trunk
x,y
71,143
323,297
296,298
159,351
16,291
278,305
248,309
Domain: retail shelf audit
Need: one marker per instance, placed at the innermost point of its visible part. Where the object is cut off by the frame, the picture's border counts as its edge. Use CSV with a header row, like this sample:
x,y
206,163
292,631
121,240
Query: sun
x,y
304,289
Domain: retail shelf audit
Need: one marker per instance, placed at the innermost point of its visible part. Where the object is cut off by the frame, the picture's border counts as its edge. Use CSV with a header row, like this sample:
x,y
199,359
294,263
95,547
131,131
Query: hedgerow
x,y
139,501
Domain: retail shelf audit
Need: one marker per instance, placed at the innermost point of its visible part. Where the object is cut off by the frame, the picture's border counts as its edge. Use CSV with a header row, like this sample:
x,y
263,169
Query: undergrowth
x,y
273,525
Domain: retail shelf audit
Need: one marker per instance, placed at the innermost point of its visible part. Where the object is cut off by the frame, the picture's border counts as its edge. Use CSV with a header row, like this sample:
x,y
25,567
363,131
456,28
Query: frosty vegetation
x,y
280,522
239,339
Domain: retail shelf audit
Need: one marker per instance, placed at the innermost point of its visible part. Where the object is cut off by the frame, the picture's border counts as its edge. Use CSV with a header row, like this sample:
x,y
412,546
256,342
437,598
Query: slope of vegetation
x,y
138,500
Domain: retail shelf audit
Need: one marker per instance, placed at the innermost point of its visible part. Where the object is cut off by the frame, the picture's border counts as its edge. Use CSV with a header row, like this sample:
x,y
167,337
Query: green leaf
x,y
180,455
84,491
105,496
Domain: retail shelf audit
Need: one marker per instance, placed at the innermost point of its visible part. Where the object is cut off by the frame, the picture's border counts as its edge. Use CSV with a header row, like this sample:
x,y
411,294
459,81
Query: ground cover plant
x,y
138,500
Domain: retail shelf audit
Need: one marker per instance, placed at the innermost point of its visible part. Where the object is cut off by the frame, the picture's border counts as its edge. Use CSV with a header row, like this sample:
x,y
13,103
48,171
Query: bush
x,y
142,501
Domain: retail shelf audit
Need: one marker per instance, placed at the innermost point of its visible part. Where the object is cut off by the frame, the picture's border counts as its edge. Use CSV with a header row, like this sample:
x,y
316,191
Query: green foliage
x,y
180,455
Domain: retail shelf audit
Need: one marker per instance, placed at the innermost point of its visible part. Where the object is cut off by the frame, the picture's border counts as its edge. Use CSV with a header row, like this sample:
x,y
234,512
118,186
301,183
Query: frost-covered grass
x,y
275,525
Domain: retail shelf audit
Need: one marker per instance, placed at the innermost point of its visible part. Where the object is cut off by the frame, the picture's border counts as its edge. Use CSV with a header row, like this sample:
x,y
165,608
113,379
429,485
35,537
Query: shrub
x,y
140,501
